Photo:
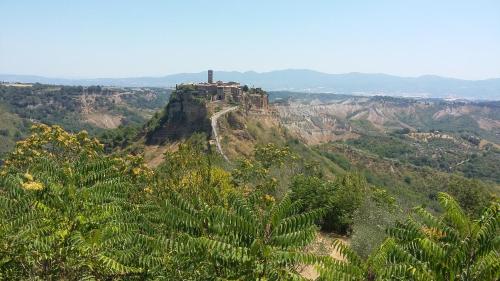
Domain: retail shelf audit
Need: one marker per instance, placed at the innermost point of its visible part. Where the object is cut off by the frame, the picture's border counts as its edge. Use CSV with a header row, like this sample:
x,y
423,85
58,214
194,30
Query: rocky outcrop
x,y
184,115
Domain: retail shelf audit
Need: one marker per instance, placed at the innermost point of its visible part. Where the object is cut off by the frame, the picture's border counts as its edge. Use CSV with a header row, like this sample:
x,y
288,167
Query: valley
x,y
250,140
367,160
449,136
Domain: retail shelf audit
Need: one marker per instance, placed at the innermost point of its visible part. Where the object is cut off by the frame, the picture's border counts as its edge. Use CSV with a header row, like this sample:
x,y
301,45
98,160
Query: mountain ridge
x,y
304,80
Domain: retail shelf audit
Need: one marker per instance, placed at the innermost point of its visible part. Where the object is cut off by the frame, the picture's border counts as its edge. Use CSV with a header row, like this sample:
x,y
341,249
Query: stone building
x,y
230,92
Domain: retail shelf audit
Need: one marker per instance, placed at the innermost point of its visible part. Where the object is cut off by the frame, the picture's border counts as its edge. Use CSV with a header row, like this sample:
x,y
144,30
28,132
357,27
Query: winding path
x,y
214,120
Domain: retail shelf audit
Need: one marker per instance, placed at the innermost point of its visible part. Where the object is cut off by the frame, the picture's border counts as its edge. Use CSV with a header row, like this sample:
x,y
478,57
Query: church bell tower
x,y
210,76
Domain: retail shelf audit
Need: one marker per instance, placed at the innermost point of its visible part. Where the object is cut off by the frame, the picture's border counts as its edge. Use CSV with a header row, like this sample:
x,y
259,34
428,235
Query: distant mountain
x,y
307,81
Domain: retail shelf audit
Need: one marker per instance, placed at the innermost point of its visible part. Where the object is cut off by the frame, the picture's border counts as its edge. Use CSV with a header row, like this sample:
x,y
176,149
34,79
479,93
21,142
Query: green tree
x,y
451,246
245,241
469,193
67,211
190,171
272,154
340,198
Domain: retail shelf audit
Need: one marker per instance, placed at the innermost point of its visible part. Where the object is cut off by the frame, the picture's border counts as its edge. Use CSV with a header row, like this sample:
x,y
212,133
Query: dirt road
x,y
215,134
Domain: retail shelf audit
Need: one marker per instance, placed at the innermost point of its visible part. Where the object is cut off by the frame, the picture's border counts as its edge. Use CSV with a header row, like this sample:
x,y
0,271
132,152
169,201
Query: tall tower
x,y
210,76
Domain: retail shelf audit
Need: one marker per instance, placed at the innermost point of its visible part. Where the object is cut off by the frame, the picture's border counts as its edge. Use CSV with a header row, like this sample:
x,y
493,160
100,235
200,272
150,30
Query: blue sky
x,y
152,38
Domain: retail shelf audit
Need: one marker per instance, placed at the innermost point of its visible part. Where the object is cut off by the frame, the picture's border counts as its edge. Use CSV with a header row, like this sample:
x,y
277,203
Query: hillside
x,y
451,136
351,167
95,109
445,135
408,182
241,133
183,116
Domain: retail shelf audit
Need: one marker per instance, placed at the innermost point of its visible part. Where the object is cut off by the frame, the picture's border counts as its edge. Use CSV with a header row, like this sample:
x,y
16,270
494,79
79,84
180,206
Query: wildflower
x,y
433,232
269,198
33,185
28,177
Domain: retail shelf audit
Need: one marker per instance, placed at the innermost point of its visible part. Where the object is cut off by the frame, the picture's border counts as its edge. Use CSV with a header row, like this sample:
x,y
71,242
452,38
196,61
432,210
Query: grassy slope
x,y
240,133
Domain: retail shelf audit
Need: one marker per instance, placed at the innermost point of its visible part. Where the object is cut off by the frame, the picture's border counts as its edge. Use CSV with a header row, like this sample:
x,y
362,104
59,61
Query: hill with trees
x,y
95,109
89,205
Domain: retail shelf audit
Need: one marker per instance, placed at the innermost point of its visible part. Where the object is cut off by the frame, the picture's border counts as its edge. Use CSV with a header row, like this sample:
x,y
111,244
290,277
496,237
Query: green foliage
x,y
443,154
12,129
251,175
378,211
338,159
469,195
68,106
64,224
390,147
190,171
119,138
244,241
340,198
157,119
67,218
152,99
411,185
482,165
271,154
451,246
68,211
270,170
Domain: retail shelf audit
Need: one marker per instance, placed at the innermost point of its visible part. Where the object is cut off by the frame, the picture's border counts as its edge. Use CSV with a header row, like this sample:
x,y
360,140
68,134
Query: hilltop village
x,y
254,99
192,105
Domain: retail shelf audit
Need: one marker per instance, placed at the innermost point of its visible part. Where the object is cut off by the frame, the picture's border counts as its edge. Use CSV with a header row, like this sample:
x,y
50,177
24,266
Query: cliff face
x,y
183,116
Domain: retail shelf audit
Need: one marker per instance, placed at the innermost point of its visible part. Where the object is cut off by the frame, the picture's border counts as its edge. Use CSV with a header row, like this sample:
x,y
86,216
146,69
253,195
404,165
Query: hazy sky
x,y
104,38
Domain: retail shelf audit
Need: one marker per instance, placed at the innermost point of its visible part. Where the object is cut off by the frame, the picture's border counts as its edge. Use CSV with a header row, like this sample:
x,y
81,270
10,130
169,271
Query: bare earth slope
x,y
323,121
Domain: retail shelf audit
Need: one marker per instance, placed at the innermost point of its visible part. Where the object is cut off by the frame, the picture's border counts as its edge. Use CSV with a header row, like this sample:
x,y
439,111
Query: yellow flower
x,y
136,171
148,190
433,232
28,177
33,185
269,198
